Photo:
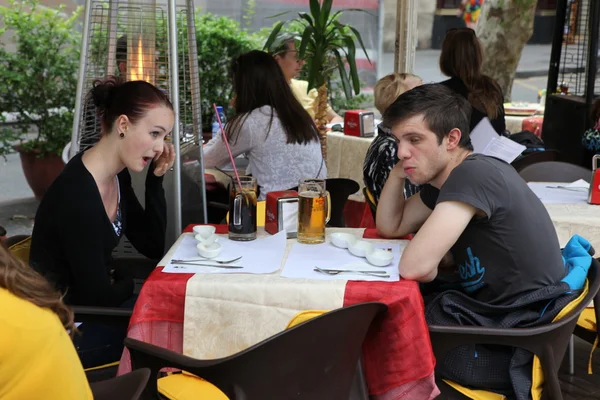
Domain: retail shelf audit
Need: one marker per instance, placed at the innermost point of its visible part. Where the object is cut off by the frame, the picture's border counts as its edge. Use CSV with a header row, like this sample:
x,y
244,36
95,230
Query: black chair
x,y
125,387
314,360
534,158
555,171
371,202
339,189
548,342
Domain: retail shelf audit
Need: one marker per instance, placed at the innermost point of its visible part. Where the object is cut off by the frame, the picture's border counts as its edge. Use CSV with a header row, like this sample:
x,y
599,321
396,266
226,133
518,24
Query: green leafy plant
x,y
327,45
38,80
219,41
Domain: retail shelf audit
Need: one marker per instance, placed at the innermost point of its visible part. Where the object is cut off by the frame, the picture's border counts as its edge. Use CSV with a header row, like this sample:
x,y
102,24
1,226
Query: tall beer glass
x,y
314,208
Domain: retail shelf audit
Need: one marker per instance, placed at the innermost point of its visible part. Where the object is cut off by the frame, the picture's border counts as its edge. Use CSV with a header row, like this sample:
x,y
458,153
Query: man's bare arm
x,y
422,256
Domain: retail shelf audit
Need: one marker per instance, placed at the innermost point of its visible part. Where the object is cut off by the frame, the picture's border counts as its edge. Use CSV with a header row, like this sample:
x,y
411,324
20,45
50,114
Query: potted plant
x,y
38,82
327,45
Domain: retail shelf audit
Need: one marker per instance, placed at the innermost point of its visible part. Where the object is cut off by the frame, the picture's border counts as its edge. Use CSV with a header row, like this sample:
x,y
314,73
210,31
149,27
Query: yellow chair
x,y
443,339
260,213
21,249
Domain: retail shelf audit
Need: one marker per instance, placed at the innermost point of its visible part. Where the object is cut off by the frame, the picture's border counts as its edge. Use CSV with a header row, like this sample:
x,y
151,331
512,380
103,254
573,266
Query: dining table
x,y
213,315
569,210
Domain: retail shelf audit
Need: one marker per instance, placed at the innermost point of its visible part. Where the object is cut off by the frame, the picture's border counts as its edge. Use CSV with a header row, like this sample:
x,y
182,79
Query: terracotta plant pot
x,y
40,172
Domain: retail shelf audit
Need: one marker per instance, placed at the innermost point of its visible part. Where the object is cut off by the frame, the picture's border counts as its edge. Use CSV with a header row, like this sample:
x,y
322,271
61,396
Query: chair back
x,y
534,158
125,387
19,246
371,202
555,171
339,190
548,342
314,360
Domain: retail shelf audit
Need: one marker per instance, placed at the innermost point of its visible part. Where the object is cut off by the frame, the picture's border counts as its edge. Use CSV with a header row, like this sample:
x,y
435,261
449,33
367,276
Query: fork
x,y
207,260
183,264
380,274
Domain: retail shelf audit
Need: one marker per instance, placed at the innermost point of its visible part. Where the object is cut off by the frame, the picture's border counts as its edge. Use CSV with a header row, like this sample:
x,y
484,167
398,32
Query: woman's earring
x,y
122,135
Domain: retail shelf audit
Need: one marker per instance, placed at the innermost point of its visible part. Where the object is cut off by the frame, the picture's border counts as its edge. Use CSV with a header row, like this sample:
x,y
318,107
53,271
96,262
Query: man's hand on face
x,y
398,171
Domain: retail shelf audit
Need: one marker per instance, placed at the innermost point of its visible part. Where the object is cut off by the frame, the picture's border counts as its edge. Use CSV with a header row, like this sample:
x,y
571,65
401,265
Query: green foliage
x,y
327,46
249,12
38,81
219,40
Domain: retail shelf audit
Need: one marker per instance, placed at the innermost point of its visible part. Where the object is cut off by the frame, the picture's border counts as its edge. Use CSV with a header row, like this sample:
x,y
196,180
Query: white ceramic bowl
x,y
208,250
204,230
206,240
380,258
342,240
360,248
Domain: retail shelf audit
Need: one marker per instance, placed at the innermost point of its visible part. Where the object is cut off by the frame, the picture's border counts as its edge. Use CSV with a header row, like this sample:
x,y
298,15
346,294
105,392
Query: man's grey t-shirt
x,y
514,249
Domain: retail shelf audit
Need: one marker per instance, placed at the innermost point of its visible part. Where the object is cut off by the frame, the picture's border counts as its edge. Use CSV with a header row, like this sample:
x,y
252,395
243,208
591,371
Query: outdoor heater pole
x,y
195,95
81,79
174,92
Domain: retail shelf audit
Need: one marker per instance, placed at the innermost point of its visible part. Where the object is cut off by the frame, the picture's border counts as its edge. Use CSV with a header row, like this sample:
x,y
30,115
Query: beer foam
x,y
310,194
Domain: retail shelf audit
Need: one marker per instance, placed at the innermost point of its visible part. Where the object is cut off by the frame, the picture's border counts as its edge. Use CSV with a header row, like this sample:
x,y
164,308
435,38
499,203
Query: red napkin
x,y
222,229
371,233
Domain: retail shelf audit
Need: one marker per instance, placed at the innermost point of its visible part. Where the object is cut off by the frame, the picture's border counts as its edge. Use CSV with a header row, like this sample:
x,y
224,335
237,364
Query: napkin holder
x,y
594,193
282,213
359,123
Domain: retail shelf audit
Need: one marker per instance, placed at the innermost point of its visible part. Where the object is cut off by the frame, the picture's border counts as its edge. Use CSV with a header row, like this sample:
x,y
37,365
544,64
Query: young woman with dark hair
x,y
37,357
269,125
462,59
91,204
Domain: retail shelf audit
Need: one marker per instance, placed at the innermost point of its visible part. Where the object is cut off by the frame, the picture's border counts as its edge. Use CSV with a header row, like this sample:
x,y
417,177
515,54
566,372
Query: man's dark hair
x,y
441,107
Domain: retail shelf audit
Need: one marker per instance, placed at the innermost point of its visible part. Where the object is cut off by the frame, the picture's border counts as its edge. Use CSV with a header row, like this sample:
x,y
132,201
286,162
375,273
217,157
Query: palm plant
x,y
327,45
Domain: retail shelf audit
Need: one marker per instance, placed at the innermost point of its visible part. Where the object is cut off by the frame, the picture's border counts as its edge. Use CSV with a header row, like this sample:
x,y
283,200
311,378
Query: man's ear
x,y
454,137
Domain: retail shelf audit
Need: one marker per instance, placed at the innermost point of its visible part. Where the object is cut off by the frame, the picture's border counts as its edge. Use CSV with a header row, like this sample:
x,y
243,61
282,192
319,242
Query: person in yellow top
x,y
285,53
37,356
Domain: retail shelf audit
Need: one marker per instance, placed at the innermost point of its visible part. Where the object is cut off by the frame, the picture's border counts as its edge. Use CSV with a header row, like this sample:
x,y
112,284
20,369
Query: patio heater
x,y
573,78
154,42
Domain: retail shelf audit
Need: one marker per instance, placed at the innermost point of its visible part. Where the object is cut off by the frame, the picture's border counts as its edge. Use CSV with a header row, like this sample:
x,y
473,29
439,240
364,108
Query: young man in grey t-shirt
x,y
474,207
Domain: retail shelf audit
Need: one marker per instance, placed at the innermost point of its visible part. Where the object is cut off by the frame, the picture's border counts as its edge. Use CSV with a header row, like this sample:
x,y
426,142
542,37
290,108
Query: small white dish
x,y
204,230
208,250
380,257
360,248
206,240
342,240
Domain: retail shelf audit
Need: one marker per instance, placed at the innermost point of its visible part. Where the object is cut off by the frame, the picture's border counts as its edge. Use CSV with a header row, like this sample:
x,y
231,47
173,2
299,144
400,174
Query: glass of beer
x,y
314,208
242,209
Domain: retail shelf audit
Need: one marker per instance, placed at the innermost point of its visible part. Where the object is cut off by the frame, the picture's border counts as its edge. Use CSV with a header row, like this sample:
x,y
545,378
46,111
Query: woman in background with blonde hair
x,y
462,59
381,156
37,357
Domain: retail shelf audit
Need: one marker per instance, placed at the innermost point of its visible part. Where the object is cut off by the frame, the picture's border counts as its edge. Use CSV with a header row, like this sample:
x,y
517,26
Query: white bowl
x,y
380,258
208,250
360,248
206,240
204,230
342,240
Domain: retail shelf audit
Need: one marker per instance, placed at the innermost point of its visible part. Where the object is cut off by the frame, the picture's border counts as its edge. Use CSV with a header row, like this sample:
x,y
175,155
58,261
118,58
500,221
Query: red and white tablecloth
x,y
397,354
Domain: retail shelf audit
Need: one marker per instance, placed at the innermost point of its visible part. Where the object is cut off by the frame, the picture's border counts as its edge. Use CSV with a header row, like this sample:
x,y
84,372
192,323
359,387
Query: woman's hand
x,y
164,161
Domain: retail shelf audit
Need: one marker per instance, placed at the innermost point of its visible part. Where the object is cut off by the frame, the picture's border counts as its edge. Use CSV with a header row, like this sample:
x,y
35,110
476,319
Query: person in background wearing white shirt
x,y
270,126
285,53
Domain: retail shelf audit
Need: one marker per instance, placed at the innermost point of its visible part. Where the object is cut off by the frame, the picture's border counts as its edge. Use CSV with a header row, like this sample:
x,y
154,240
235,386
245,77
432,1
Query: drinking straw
x,y
237,176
